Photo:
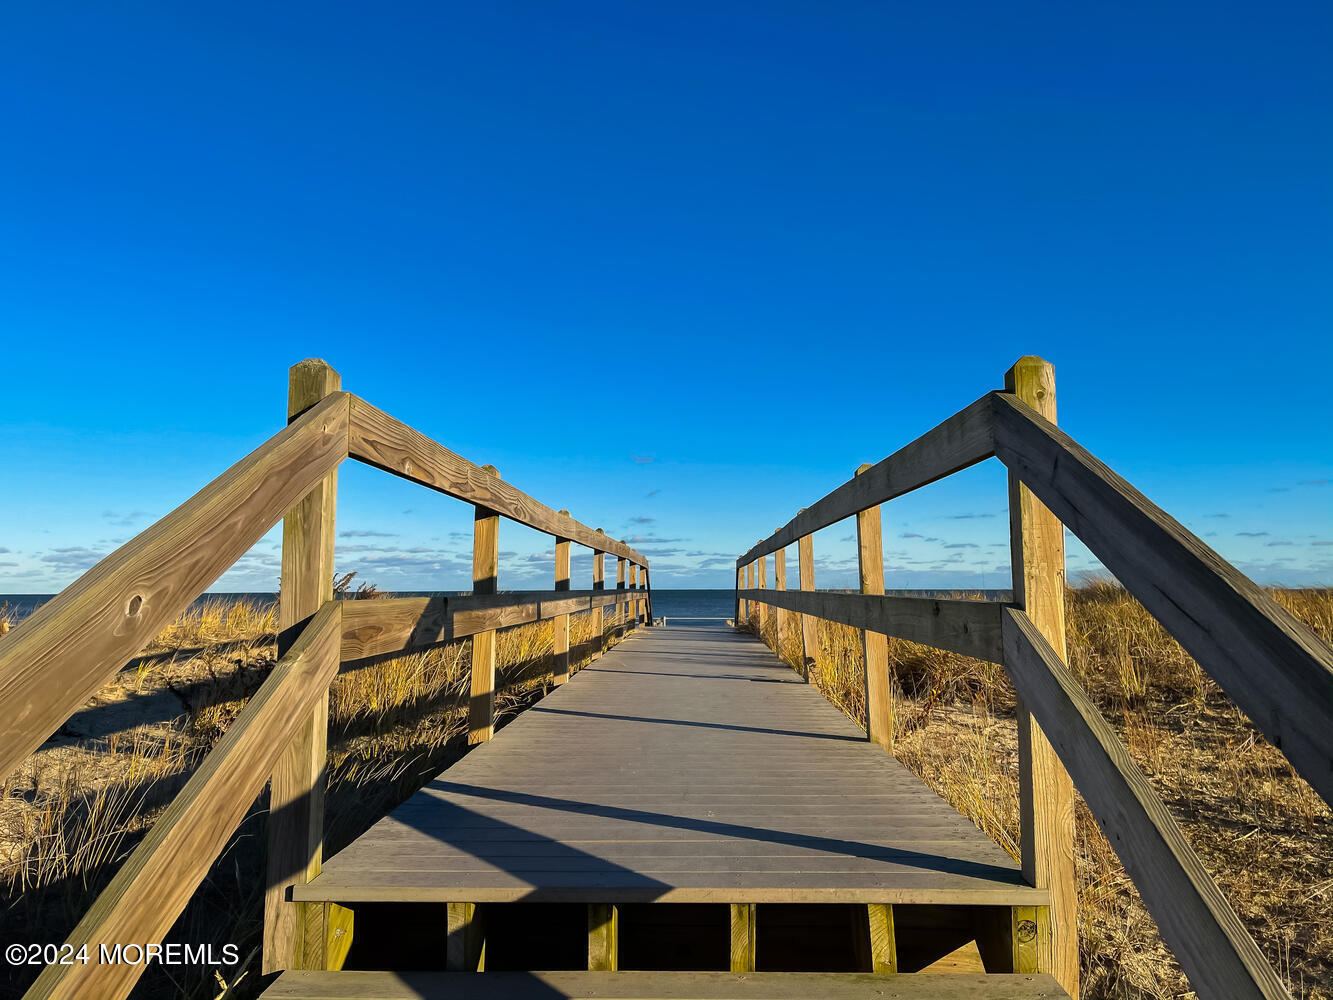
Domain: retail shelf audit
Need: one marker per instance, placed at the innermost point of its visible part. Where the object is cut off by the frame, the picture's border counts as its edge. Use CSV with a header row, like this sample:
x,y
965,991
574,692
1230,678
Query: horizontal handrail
x,y
1213,947
398,625
60,655
971,628
1272,665
152,887
962,440
386,443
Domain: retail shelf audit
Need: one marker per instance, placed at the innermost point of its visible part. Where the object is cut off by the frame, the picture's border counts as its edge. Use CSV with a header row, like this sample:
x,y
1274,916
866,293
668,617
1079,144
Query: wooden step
x,y
656,986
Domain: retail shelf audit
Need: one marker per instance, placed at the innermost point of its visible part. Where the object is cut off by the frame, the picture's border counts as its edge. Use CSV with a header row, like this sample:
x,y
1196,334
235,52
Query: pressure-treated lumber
x,y
326,931
485,580
962,440
971,628
603,937
1045,793
779,584
379,440
465,941
761,583
686,766
401,624
656,986
560,626
883,944
805,561
151,888
870,566
296,790
1275,668
59,656
743,927
1204,933
599,585
622,612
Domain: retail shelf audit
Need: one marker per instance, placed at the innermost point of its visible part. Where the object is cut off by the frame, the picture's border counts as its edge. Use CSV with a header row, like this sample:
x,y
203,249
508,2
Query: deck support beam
x,y
465,941
743,937
325,936
603,937
1010,938
883,942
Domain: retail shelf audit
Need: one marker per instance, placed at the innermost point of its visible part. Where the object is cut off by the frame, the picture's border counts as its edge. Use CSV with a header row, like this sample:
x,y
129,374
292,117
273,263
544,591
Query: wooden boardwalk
x,y
687,765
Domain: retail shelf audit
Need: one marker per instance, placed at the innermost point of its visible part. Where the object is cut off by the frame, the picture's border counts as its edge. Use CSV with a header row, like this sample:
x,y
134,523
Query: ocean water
x,y
674,605
678,605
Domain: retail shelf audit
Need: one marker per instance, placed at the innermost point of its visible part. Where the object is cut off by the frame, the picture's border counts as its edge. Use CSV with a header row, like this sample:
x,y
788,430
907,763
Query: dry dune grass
x,y
76,809
73,812
1262,832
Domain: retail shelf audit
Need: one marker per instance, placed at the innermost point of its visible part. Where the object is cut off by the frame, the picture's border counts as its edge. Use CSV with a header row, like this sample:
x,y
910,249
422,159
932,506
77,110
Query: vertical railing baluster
x,y
485,580
805,558
779,583
598,617
761,583
622,606
750,605
879,691
560,624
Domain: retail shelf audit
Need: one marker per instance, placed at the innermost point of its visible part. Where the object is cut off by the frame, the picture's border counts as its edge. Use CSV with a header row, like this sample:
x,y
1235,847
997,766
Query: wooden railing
x,y
55,660
1277,671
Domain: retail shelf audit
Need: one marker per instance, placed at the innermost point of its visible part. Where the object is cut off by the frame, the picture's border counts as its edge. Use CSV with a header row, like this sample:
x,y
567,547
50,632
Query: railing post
x,y
740,603
879,692
779,583
805,562
648,597
598,583
633,605
622,606
485,580
296,791
761,583
750,606
1046,794
560,624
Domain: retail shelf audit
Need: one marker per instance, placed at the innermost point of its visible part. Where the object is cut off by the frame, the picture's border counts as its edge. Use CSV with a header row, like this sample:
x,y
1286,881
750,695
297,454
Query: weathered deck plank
x,y
687,765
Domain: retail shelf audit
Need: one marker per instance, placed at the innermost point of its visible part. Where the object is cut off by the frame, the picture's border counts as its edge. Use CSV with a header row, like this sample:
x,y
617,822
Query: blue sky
x,y
678,269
